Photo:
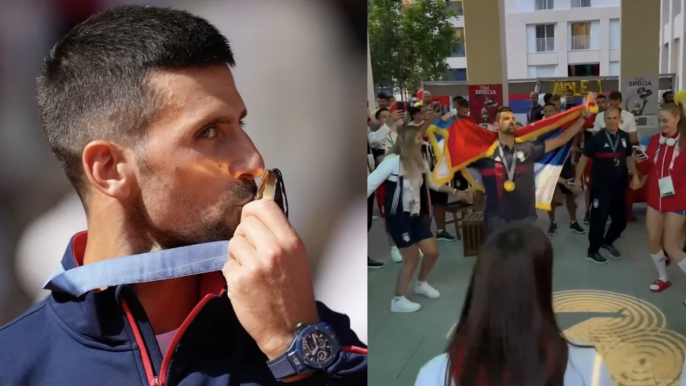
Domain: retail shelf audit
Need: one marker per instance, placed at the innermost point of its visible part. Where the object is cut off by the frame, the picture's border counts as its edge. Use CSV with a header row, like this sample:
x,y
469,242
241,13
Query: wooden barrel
x,y
472,233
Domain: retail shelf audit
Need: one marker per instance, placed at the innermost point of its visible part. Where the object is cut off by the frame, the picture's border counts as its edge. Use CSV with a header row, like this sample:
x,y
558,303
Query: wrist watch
x,y
314,347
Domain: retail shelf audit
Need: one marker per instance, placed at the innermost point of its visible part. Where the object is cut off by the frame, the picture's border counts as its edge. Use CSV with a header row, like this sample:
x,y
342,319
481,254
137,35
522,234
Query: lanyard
x,y
675,153
511,169
142,268
614,145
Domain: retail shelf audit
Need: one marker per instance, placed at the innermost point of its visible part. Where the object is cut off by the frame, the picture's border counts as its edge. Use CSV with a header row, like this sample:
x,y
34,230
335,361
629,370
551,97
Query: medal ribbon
x,y
614,145
146,267
510,170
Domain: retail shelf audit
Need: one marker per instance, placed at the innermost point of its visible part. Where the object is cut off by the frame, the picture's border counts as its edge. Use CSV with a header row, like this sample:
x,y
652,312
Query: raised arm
x,y
565,136
381,173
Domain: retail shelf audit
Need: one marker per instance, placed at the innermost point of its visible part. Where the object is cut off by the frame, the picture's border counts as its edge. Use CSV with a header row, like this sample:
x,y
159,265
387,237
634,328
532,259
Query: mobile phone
x,y
273,188
401,106
640,153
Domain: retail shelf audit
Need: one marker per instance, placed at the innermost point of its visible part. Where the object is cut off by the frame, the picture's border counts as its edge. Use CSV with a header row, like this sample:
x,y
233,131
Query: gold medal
x,y
616,161
509,186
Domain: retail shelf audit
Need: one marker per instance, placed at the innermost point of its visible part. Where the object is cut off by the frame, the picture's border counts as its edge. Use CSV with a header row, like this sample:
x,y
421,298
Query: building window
x,y
591,69
581,3
615,34
459,51
545,38
581,36
544,4
614,68
456,5
457,74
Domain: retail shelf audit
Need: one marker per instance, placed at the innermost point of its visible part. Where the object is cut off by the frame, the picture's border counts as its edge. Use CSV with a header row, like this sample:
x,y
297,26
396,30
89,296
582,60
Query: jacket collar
x,y
97,318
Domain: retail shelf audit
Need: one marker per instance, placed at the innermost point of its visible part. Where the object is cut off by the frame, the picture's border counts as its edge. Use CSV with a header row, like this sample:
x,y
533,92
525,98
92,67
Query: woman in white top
x,y
507,333
408,219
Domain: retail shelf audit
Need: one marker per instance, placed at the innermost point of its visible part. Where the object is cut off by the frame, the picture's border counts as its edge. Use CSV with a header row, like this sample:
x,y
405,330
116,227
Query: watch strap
x,y
281,367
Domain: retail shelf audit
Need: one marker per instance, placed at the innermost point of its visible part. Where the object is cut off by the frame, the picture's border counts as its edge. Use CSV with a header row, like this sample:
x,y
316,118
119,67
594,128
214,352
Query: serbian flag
x,y
458,143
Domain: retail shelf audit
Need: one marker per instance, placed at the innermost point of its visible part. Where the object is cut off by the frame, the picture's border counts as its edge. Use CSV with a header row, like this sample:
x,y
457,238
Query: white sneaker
x,y
427,290
395,255
404,305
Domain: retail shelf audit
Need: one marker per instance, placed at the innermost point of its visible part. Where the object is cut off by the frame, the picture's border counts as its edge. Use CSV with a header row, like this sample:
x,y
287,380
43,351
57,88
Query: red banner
x,y
484,101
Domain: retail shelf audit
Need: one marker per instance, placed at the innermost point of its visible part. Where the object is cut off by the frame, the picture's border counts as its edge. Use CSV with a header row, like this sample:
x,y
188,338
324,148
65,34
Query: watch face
x,y
317,347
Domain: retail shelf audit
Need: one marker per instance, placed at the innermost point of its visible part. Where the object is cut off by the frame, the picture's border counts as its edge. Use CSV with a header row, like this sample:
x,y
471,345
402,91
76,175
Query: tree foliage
x,y
410,43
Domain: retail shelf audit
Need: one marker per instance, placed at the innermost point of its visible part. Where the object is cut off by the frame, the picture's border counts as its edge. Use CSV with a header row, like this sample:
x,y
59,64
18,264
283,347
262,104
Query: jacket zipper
x,y
159,380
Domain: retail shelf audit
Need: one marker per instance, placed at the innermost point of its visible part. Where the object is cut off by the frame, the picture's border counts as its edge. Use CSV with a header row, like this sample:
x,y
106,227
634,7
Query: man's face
x,y
506,123
382,103
616,103
462,112
569,96
548,111
669,97
534,98
199,165
426,98
612,119
558,105
602,104
383,117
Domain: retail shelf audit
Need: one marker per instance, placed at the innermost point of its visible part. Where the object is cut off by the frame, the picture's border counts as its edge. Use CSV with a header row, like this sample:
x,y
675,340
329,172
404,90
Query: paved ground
x,y
640,334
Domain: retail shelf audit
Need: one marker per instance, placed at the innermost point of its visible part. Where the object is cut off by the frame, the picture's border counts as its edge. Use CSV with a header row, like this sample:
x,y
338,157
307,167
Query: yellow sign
x,y
579,87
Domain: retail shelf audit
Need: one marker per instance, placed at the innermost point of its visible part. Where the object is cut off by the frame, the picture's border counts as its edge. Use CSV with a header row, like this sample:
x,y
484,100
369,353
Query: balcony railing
x,y
545,44
459,52
581,42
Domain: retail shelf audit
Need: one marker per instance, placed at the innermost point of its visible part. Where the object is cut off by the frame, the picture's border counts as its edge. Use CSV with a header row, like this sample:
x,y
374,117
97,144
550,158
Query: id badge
x,y
666,186
414,207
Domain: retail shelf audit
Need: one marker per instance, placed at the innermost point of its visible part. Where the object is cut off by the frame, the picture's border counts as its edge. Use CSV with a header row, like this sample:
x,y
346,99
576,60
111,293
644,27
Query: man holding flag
x,y
519,169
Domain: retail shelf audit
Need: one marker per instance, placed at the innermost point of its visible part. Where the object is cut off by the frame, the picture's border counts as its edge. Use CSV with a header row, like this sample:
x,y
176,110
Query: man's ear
x,y
110,168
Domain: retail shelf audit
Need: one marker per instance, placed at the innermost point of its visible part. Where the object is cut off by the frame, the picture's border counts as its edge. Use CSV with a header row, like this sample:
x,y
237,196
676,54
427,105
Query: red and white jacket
x,y
659,169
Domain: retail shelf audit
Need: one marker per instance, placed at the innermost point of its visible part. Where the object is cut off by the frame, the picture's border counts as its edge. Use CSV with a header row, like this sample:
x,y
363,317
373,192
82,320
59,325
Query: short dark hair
x,y
547,97
601,96
503,109
95,83
462,103
555,97
569,90
457,98
615,96
548,104
381,95
378,112
666,92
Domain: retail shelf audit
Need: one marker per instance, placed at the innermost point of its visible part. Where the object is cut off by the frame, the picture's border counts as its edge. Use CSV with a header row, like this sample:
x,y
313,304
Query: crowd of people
x,y
603,163
608,162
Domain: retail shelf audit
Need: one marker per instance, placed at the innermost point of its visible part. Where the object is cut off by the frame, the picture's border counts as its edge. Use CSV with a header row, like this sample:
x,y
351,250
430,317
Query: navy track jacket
x,y
104,338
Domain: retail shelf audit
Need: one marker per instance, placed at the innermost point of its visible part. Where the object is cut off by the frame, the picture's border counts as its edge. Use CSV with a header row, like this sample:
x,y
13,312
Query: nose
x,y
246,160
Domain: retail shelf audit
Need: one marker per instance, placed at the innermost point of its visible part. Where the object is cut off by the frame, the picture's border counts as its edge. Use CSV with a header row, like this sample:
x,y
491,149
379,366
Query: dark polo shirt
x,y
520,204
604,171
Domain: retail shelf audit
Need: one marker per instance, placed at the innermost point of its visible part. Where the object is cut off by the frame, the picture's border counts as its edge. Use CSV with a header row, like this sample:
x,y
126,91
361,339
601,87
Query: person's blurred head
x,y
140,107
417,112
556,100
569,96
616,99
426,98
436,105
601,101
505,122
668,96
613,117
534,98
455,99
382,100
549,110
408,146
382,115
507,328
547,98
462,107
673,121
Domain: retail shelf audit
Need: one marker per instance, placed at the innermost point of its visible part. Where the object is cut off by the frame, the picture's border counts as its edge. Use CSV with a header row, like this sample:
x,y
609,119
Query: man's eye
x,y
241,123
208,133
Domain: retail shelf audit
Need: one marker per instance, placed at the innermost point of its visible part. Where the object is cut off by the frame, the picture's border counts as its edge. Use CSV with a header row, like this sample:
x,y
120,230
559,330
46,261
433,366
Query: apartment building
x,y
560,38
671,40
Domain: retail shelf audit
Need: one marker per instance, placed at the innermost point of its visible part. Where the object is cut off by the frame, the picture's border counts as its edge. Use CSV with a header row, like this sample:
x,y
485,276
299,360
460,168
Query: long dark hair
x,y
507,333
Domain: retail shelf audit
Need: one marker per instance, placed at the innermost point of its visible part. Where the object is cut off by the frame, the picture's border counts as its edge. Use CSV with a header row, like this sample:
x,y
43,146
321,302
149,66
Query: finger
x,y
269,213
256,233
241,250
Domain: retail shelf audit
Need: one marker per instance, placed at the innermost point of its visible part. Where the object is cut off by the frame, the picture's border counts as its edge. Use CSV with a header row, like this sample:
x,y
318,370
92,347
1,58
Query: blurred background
x,y
301,70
